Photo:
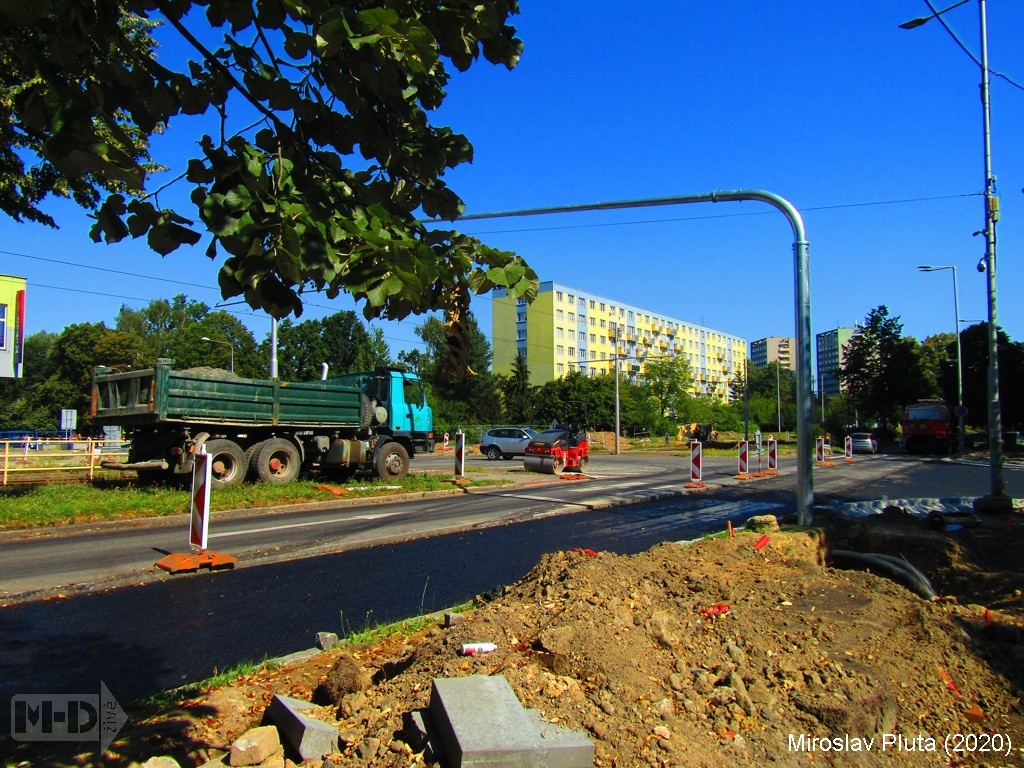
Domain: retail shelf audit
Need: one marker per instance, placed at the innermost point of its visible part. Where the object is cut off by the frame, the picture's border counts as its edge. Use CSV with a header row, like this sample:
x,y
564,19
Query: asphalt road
x,y
178,629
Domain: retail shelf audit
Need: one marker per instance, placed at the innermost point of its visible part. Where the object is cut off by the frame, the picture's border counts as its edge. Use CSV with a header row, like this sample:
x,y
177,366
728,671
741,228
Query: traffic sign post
x,y
742,460
199,525
199,519
460,453
696,467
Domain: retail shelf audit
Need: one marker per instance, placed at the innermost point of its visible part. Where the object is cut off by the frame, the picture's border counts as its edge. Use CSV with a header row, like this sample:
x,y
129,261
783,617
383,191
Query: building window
x,y
520,317
593,321
559,314
602,306
560,368
521,334
572,351
593,303
593,355
572,317
559,332
602,324
572,335
558,295
582,302
560,349
593,339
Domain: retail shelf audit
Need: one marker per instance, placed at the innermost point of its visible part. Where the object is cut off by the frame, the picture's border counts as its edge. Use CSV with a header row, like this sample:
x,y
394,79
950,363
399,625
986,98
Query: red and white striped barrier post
x,y
199,524
742,461
773,456
696,467
820,450
848,448
199,527
460,453
446,441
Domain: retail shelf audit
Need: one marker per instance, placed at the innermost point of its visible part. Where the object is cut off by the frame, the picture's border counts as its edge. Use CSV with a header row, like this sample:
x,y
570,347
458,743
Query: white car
x,y
506,442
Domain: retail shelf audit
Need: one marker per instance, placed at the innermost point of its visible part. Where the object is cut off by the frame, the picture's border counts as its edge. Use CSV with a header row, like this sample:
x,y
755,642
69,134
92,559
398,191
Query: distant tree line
x,y
882,372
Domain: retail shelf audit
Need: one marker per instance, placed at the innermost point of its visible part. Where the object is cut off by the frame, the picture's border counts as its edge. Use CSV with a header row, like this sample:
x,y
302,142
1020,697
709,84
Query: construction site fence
x,y
31,459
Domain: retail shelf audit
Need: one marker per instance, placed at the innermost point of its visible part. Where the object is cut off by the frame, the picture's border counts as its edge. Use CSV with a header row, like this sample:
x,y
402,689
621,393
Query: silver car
x,y
506,442
864,442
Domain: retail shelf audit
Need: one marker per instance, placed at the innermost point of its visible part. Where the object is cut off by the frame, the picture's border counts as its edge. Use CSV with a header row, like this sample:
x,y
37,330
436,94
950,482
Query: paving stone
x,y
255,746
326,640
310,738
565,747
481,723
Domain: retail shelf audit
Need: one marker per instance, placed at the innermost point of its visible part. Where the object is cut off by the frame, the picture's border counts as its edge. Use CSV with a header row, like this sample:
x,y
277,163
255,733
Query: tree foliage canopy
x,y
326,188
882,370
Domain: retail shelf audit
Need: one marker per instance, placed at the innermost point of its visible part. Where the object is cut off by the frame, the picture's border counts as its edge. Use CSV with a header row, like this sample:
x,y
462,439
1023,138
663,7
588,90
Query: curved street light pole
x,y
801,269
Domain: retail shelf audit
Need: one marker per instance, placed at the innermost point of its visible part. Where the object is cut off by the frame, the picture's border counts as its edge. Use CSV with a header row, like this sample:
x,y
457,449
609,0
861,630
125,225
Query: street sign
x,y
960,411
68,420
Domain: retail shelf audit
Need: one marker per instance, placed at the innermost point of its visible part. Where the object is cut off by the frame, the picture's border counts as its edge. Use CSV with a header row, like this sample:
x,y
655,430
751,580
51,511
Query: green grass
x,y
368,635
34,506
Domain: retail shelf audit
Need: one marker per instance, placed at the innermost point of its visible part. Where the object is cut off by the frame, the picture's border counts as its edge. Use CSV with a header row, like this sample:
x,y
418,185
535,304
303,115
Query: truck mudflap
x,y
136,465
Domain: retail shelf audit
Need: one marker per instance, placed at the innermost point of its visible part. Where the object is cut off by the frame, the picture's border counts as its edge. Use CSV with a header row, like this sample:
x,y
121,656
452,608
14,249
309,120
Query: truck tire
x,y
278,461
392,461
227,463
251,454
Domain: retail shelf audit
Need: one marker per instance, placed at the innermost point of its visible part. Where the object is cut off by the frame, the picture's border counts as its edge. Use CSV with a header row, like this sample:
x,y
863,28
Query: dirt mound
x,y
719,652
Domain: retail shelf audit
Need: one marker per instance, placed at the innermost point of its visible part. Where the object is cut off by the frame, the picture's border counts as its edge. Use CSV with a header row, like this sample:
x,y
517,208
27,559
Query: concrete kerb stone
x,y
480,722
311,739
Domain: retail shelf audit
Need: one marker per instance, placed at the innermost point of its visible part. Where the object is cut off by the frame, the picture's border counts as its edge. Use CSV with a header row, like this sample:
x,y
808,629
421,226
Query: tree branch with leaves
x,y
327,192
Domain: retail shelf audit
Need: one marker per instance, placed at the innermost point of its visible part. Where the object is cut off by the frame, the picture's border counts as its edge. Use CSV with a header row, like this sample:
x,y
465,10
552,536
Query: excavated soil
x,y
714,653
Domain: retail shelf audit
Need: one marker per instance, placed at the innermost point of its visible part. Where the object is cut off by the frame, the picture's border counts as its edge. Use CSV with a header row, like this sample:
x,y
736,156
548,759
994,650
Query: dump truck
x,y
265,428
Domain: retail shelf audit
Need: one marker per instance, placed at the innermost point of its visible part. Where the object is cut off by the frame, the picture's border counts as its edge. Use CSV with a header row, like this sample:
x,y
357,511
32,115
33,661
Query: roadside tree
x,y
882,370
327,186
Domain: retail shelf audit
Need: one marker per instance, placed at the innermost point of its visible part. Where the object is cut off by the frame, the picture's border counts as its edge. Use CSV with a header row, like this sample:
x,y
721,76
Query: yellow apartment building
x,y
566,329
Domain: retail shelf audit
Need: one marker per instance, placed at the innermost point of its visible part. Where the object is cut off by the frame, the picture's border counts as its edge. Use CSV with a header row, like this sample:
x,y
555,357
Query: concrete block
x,y
481,724
565,747
310,738
255,746
326,640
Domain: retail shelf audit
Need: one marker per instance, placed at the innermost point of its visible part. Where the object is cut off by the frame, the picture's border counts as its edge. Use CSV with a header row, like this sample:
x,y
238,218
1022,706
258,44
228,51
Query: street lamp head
x,y
913,23
205,338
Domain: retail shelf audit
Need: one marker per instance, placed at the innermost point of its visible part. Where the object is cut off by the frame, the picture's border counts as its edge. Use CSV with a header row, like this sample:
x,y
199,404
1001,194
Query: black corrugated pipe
x,y
899,569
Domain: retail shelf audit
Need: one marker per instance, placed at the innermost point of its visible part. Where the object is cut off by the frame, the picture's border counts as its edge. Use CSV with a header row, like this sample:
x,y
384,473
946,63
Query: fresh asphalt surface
x,y
153,636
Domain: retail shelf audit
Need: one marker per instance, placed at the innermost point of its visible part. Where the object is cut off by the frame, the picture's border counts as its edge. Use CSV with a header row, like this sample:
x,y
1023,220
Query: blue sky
x,y
874,133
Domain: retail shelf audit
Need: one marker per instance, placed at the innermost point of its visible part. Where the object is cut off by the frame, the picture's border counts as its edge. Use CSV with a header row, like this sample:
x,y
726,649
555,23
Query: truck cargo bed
x,y
162,395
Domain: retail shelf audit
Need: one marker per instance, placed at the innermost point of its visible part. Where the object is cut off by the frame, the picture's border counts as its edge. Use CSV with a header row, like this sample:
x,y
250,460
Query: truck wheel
x,y
227,463
251,454
392,462
278,461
